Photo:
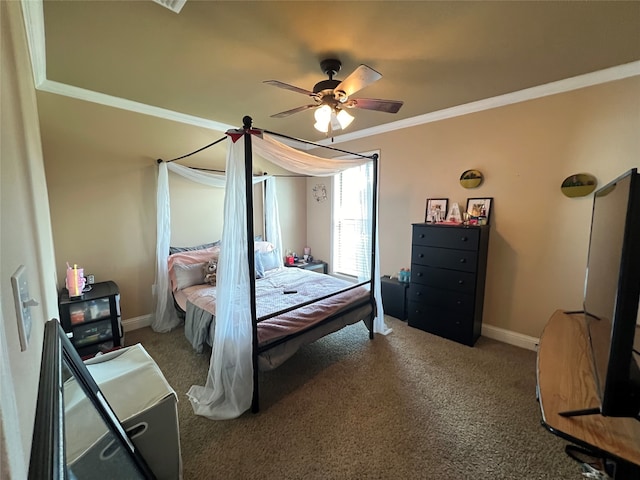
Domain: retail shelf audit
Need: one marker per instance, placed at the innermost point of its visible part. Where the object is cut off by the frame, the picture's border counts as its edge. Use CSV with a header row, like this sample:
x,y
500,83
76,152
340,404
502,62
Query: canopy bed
x,y
246,332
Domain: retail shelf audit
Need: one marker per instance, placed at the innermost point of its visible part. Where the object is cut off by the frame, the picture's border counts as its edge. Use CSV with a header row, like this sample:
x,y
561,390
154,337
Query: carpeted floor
x,y
409,405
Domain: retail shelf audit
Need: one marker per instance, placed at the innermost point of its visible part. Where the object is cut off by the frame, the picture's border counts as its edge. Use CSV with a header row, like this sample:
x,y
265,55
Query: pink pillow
x,y
189,258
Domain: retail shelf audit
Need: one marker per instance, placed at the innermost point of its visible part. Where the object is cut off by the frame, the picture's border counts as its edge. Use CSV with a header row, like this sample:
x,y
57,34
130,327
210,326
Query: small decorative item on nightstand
x,y
316,266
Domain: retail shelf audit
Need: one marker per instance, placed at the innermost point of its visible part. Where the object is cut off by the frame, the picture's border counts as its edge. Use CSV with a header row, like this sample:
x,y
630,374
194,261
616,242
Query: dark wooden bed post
x,y
248,173
374,226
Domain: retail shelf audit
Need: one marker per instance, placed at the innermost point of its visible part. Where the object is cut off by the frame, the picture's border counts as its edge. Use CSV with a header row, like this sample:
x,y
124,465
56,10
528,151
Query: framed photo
x,y
436,210
480,207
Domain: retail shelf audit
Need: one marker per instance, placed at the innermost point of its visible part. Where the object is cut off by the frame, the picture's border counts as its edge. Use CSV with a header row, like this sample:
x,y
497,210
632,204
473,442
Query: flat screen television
x,y
611,295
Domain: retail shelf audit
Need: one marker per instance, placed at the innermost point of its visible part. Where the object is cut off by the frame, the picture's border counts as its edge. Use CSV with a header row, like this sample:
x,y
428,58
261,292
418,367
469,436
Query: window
x,y
351,236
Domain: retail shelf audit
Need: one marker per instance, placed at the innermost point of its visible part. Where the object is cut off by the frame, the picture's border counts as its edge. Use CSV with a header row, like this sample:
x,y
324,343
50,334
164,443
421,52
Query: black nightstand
x,y
92,321
394,297
318,266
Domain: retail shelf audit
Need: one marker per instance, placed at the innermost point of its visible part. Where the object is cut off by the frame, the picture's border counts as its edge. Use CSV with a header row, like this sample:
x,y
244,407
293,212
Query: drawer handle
x,y
418,294
419,274
464,239
460,282
463,260
422,235
421,255
459,302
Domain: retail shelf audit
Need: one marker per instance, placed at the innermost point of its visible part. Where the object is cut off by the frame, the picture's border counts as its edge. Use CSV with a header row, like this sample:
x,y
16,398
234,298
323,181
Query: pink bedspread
x,y
270,299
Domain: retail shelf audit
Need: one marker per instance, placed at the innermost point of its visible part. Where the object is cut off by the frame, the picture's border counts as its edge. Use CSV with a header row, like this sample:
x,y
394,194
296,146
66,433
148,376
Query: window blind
x,y
351,240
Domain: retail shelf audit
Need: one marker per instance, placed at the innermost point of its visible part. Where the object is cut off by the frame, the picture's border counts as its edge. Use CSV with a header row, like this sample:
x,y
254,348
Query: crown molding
x,y
33,14
574,83
124,104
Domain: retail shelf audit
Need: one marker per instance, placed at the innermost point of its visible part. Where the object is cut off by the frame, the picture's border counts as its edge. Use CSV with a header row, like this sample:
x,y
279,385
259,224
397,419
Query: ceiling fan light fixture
x,y
323,114
344,119
323,117
332,96
322,127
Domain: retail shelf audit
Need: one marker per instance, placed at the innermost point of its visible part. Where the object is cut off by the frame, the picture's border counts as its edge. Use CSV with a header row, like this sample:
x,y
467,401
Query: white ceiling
x,y
206,65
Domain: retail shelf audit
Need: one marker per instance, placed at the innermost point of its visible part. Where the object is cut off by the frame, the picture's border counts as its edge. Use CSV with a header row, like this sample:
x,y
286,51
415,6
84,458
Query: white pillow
x,y
264,246
269,260
188,275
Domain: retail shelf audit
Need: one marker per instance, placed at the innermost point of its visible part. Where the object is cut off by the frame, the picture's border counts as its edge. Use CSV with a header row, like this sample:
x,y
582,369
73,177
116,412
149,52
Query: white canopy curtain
x,y
228,390
166,318
300,162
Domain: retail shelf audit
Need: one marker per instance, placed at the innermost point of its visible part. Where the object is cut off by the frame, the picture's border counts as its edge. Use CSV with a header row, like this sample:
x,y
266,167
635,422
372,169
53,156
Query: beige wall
x,y
101,168
319,217
25,239
100,195
539,237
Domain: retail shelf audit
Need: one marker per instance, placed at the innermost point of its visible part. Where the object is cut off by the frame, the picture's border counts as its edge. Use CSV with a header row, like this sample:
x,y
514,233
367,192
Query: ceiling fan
x,y
332,97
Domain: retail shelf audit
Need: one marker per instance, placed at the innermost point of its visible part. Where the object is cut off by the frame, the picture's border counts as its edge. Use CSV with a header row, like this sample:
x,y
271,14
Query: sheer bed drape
x,y
227,392
166,318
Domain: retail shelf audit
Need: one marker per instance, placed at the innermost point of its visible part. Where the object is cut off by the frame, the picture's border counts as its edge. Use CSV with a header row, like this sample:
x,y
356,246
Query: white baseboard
x,y
137,322
489,331
512,338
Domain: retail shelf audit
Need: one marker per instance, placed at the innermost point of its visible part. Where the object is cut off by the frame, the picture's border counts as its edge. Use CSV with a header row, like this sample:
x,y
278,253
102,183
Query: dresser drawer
x,y
441,322
456,302
446,237
464,260
464,282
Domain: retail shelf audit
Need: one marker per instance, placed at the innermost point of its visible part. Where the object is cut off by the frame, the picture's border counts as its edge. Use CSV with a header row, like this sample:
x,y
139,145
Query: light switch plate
x,y
20,297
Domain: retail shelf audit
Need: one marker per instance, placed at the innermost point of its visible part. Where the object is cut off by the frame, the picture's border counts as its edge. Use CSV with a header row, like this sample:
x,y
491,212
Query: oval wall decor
x,y
579,185
471,179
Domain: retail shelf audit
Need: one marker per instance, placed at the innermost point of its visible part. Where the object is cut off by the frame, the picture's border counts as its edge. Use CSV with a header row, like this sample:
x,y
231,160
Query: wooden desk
x,y
566,383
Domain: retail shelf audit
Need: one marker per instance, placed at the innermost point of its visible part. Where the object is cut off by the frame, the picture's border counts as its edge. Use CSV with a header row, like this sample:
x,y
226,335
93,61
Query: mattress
x,y
307,322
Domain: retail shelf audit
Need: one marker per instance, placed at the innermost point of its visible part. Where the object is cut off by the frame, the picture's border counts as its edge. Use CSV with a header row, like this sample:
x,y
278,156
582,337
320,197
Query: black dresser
x,y
448,269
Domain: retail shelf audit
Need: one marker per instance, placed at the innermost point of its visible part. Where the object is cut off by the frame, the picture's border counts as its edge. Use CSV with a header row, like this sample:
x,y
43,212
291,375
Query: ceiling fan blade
x,y
286,86
358,79
388,106
286,113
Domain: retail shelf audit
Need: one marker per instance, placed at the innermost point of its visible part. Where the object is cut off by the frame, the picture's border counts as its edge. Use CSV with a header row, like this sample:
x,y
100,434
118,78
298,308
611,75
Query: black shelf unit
x,y
92,321
394,297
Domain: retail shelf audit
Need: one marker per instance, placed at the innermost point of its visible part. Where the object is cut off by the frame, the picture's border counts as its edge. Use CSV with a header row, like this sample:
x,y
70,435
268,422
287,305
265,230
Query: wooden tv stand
x,y
566,383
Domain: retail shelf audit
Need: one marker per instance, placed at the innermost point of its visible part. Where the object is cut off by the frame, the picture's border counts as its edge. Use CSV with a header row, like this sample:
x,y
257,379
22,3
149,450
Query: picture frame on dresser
x,y
436,210
480,207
